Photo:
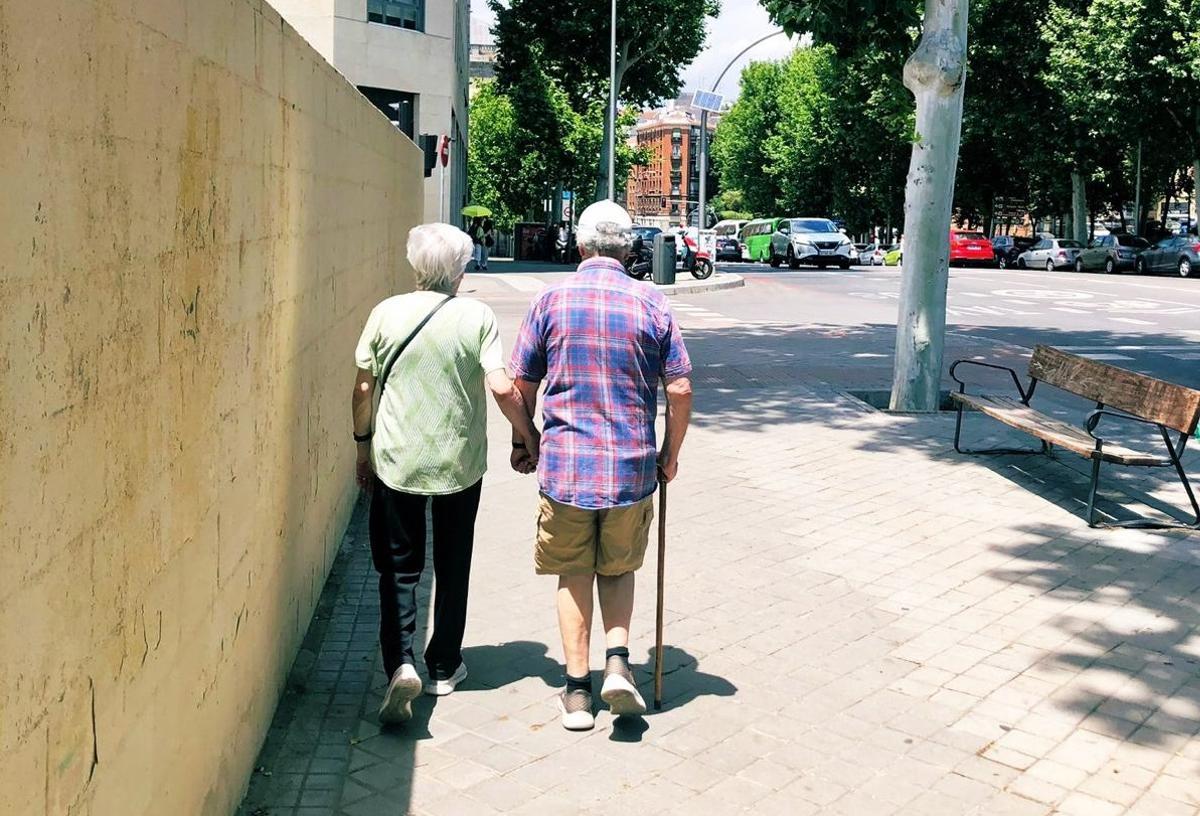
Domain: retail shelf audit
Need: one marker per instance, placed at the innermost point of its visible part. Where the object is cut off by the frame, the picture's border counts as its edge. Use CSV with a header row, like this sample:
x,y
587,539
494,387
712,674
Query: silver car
x,y
810,241
1180,254
1050,254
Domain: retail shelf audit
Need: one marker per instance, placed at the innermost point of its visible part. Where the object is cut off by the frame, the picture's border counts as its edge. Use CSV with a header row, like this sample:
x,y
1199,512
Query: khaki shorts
x,y
576,541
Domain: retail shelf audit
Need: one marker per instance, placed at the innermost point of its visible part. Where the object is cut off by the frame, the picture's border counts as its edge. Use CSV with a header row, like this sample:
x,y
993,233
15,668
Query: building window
x,y
399,107
676,136
399,13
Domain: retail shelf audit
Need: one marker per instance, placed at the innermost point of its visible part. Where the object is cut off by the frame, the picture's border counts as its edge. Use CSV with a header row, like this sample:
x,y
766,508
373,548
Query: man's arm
x,y
361,407
509,397
679,414
523,460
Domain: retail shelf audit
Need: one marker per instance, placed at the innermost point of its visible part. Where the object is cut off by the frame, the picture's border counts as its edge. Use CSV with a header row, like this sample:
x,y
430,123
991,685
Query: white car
x,y
814,241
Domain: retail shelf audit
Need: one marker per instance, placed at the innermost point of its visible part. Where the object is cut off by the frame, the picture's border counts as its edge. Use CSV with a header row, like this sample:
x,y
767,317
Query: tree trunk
x,y
1079,219
936,76
1196,188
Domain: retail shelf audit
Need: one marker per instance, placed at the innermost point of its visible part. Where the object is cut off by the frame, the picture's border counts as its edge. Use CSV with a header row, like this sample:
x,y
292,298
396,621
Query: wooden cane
x,y
658,624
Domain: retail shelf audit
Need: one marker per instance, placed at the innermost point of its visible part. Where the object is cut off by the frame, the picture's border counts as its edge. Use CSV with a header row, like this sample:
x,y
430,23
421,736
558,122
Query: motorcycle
x,y
640,261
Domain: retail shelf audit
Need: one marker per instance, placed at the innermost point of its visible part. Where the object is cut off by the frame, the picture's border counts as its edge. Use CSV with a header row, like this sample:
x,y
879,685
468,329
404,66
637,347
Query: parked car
x,y
892,256
809,241
728,243
756,239
971,247
1050,254
1006,248
1180,254
1112,253
870,255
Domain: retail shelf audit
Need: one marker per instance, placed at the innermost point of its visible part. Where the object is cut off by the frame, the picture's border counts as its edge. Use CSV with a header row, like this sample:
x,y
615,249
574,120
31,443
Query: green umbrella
x,y
476,211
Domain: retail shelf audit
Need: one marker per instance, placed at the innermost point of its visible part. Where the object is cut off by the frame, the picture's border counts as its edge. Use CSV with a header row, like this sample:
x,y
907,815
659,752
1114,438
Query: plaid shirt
x,y
601,341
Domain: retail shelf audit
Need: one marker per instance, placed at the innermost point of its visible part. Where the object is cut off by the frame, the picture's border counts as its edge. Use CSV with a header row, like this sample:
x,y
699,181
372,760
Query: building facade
x,y
666,190
409,58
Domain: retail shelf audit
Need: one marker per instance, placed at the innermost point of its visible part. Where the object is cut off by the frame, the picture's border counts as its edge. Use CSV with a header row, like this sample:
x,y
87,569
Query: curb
x,y
714,284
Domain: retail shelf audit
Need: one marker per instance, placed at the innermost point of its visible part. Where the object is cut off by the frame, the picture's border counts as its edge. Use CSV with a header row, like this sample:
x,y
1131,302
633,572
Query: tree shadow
x,y
753,379
1138,667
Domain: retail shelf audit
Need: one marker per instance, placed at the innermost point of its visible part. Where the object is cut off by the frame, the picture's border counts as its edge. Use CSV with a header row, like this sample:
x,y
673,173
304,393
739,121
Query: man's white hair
x,y
439,254
606,229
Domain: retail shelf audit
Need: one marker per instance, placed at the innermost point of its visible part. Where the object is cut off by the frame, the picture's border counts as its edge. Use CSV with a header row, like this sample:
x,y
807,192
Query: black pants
x,y
398,550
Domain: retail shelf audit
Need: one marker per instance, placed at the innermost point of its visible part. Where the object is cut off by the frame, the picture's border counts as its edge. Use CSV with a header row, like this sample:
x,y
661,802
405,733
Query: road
x,y
841,324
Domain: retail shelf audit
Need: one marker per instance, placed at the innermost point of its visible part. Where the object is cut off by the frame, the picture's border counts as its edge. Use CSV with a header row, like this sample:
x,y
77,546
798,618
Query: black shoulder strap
x,y
388,368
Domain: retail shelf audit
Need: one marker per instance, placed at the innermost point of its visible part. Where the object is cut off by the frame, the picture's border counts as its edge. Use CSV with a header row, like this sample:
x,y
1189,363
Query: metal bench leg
x,y
1091,510
958,423
1176,453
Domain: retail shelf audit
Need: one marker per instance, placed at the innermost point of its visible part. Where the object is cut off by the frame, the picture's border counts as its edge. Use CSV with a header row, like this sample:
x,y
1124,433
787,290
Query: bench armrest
x,y
1093,419
1012,373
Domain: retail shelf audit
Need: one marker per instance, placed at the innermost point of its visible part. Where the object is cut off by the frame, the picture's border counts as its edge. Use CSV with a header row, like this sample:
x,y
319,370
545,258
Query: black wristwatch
x,y
365,437
519,445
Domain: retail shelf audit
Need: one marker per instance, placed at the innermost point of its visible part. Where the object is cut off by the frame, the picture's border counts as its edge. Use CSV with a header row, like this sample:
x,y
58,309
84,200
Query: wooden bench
x,y
1119,394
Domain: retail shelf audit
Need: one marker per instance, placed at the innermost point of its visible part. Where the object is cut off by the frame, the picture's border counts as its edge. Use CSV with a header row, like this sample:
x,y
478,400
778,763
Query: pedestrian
x,y
600,342
476,233
431,356
487,241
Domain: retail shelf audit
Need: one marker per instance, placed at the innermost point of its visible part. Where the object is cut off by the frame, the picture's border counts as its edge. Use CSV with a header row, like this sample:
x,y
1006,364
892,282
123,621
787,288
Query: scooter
x,y
640,262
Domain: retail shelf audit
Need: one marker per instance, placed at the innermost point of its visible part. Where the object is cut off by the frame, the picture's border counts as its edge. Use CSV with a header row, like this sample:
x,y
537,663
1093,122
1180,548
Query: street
x,y
847,318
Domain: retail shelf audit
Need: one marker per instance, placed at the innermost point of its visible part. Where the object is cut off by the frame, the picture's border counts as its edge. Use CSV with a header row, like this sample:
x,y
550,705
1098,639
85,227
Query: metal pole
x,y
700,217
1137,194
701,221
612,106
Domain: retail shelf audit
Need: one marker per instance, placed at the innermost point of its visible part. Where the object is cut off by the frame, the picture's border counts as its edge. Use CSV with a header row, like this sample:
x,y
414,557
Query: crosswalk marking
x,y
1095,356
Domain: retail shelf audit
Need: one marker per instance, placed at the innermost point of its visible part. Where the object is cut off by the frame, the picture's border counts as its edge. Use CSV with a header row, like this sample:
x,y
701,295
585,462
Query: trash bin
x,y
664,258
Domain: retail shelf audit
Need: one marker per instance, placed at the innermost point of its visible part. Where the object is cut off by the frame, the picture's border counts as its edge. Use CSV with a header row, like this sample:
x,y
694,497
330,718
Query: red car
x,y
971,248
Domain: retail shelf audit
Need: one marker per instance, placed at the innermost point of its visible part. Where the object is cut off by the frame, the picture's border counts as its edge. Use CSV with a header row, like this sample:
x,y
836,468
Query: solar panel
x,y
706,100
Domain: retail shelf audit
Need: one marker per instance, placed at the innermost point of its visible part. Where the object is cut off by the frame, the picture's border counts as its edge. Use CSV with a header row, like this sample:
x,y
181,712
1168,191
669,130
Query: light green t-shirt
x,y
431,426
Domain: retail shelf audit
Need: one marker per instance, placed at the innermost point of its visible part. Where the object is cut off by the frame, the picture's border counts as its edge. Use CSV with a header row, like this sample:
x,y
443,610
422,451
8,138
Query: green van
x,y
756,239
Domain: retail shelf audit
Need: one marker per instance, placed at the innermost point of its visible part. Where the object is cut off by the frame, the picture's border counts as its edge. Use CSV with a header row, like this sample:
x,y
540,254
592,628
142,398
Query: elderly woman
x,y
431,355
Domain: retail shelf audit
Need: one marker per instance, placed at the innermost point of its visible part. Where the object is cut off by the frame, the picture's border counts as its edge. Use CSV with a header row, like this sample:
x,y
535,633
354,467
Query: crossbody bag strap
x,y
387,370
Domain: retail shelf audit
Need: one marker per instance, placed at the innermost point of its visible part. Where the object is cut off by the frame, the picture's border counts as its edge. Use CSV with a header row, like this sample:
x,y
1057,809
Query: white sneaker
x,y
575,707
401,691
619,691
440,688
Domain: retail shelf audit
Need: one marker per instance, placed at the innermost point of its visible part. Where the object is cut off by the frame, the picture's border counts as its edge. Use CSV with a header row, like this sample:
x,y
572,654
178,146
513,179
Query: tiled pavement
x,y
859,622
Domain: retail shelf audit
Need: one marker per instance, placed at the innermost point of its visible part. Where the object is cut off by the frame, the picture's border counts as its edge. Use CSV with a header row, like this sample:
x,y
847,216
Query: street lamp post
x,y
612,106
701,216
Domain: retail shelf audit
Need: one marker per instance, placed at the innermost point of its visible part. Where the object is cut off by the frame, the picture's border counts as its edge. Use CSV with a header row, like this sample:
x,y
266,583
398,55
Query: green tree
x,y
739,145
568,40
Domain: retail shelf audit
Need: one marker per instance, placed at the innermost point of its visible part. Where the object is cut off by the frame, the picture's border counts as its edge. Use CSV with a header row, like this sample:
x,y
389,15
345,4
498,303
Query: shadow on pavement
x,y
1142,660
499,665
752,378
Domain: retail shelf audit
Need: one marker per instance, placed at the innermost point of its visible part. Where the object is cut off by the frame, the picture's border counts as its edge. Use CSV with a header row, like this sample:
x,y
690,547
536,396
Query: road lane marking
x,y
1065,309
1106,356
1185,357
1132,320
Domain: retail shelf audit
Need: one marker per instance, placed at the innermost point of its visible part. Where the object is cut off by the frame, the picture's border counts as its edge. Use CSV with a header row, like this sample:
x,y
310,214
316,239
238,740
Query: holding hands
x,y
524,456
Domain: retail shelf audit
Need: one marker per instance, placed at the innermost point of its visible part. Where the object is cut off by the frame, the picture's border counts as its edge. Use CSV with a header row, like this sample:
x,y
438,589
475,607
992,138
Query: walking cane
x,y
658,625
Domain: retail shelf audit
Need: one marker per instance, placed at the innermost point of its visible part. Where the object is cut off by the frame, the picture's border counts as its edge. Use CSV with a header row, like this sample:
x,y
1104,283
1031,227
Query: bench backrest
x,y
1174,406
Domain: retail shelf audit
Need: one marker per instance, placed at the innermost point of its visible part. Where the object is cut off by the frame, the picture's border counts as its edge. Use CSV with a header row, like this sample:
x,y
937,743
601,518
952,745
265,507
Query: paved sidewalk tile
x,y
858,621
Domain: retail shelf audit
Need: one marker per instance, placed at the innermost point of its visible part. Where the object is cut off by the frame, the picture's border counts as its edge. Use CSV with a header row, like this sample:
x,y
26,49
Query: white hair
x,y
439,254
607,238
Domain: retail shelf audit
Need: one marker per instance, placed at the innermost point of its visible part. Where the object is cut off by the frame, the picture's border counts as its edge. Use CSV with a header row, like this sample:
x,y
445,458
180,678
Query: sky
x,y
740,23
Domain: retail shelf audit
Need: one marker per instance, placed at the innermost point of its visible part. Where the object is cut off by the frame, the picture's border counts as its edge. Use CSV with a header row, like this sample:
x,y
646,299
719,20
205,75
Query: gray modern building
x,y
409,57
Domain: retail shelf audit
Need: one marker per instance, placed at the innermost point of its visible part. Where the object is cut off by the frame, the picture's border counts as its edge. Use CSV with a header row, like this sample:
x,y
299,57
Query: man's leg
x,y
624,533
616,607
575,621
453,542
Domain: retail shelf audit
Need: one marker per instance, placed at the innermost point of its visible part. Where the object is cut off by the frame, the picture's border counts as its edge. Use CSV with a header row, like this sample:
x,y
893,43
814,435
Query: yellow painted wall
x,y
196,215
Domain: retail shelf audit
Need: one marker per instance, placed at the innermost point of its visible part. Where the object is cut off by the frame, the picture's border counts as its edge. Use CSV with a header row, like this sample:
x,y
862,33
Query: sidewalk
x,y
859,622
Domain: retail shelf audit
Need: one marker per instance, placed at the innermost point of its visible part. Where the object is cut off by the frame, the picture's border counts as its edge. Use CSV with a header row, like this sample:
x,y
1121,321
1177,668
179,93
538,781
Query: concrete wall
x,y
196,214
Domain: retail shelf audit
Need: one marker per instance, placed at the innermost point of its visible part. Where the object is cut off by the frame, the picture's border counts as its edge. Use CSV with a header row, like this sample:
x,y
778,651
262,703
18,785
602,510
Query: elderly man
x,y
601,342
